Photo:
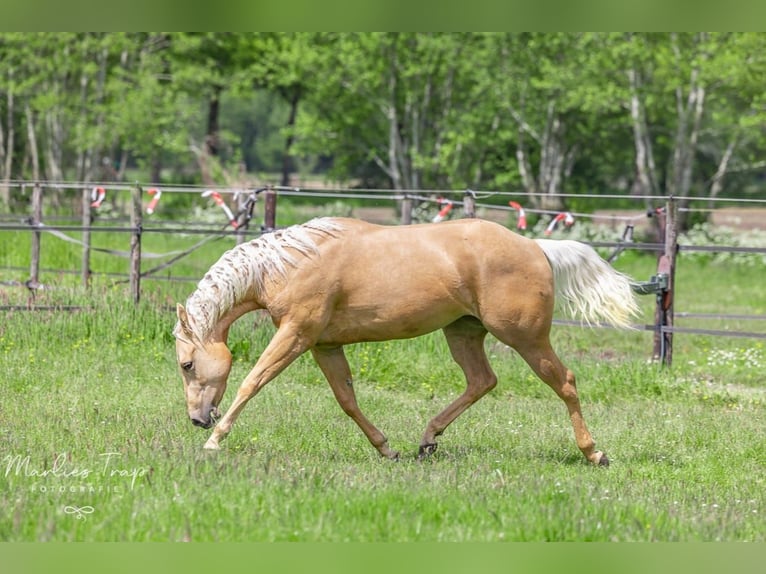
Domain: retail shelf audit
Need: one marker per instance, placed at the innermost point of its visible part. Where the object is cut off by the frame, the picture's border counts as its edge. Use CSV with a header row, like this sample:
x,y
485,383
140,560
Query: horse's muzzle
x,y
200,423
208,421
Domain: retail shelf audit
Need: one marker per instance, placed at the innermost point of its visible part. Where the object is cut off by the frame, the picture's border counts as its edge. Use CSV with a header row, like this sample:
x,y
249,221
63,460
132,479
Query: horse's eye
x,y
187,366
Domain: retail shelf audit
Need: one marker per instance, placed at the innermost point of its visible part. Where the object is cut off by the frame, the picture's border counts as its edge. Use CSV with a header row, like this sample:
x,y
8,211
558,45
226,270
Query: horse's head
x,y
205,367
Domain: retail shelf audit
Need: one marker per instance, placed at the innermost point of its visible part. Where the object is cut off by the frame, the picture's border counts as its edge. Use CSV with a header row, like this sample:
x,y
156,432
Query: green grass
x,y
687,448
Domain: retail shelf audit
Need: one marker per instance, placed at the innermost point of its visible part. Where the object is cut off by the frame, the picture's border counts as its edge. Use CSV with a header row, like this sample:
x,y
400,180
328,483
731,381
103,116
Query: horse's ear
x,y
183,321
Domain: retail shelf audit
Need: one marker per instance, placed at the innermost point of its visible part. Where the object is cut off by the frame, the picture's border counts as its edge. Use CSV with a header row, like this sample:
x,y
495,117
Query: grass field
x,y
96,444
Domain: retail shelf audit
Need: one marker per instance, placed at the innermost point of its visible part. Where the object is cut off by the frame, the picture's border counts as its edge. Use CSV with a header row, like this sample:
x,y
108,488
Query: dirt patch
x,y
740,218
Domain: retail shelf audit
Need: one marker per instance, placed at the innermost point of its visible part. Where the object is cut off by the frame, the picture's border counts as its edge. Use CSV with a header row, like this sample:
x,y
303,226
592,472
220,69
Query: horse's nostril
x,y
200,423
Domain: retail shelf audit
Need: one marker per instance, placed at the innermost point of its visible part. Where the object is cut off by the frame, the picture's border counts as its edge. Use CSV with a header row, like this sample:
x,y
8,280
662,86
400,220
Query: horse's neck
x,y
221,331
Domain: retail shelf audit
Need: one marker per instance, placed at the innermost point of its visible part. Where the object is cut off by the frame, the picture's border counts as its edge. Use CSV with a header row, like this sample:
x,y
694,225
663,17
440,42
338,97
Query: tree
x,y
546,113
694,101
388,107
286,65
150,118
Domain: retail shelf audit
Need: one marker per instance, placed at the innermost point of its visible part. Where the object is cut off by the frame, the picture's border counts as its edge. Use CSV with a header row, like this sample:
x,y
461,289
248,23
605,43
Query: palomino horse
x,y
334,281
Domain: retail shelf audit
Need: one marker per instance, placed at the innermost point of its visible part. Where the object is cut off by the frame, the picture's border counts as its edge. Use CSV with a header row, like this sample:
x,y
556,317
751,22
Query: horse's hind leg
x,y
332,361
465,338
544,362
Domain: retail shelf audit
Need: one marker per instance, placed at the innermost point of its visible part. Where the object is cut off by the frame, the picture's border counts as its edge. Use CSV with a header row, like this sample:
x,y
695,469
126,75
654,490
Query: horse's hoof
x,y
211,445
603,461
426,450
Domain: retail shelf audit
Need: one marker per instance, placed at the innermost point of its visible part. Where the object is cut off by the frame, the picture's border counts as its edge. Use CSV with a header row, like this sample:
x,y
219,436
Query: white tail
x,y
587,286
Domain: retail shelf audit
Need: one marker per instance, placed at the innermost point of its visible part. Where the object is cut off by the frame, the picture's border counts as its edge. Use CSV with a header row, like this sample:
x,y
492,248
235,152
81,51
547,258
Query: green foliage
x,y
707,234
543,112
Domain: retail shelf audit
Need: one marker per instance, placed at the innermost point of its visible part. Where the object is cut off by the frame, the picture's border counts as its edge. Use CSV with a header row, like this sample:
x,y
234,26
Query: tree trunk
x,y
82,157
446,109
687,135
556,161
687,132
122,166
525,169
717,184
5,193
394,167
294,98
391,168
699,106
95,160
53,148
8,165
485,151
646,177
156,169
553,158
32,143
212,140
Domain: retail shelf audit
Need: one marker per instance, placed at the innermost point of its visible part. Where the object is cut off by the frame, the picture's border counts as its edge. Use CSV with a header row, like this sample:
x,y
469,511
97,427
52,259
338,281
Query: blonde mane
x,y
242,269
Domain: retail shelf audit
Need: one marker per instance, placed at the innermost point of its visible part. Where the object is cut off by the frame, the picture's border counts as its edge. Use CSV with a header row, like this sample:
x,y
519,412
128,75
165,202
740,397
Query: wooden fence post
x,y
659,217
37,215
87,220
243,221
270,209
136,222
663,315
469,204
406,210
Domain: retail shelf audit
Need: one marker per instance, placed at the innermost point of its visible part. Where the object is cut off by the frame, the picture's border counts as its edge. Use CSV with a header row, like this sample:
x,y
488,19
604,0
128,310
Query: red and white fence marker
x,y
564,216
444,211
522,222
156,194
97,196
222,204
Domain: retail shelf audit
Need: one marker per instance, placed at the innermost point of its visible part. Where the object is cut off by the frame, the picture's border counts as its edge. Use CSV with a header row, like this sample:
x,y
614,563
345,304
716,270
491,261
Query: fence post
x,y
406,210
659,217
469,204
270,209
136,222
663,315
87,220
244,220
37,215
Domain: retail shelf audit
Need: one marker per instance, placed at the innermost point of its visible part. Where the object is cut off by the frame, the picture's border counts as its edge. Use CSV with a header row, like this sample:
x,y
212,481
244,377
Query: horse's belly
x,y
394,320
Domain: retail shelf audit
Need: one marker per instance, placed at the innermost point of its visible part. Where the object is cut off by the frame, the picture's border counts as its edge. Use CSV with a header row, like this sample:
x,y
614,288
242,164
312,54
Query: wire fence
x,y
235,206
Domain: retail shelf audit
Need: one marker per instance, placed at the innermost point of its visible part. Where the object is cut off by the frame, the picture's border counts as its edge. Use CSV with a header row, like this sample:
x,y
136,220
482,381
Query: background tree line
x,y
545,113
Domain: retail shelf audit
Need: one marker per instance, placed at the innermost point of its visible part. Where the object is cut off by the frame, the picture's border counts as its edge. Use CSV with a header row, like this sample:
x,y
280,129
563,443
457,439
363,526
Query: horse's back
x,y
471,247
376,282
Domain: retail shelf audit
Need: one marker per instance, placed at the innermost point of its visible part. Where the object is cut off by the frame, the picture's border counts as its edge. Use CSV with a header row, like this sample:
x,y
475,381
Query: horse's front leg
x,y
286,345
335,367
